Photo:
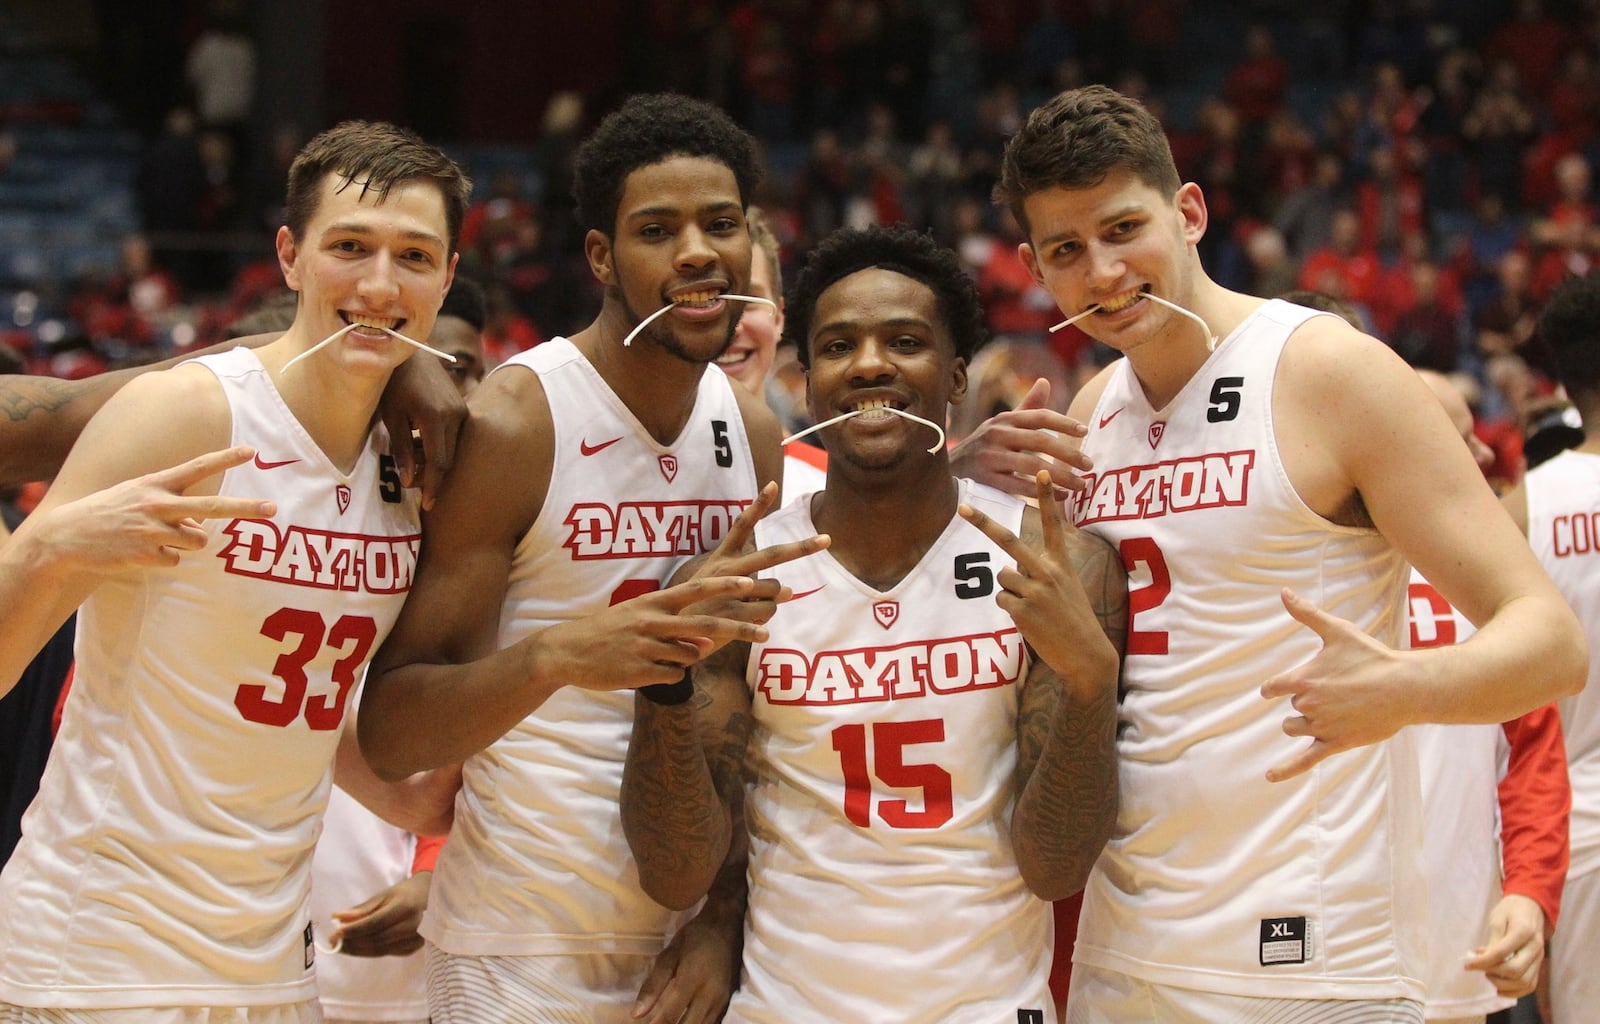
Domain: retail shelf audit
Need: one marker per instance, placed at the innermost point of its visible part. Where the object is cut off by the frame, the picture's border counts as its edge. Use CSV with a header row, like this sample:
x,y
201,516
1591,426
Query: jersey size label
x,y
311,946
1030,1016
1284,940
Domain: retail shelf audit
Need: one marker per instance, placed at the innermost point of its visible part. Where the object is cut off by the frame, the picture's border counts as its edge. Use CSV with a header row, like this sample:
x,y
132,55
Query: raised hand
x,y
1044,594
422,397
1343,698
736,556
1007,449
143,522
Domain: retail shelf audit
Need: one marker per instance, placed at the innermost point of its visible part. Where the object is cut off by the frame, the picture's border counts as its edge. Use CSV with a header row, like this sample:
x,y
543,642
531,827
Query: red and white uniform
x,y
883,885
166,860
1214,878
358,856
1483,835
537,863
1564,529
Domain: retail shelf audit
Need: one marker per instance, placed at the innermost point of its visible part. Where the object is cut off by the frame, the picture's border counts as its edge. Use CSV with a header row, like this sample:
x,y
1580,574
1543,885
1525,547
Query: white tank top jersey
x,y
1564,529
358,856
1214,878
1460,828
883,882
166,860
537,863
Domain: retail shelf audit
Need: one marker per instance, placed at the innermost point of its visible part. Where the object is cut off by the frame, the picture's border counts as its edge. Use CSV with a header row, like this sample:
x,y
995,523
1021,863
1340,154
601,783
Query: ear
x,y
777,320
597,249
1192,213
1030,260
288,253
958,381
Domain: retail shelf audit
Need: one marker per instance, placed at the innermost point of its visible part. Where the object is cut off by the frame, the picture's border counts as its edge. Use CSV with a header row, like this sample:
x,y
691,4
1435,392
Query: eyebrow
x,y
357,228
675,211
843,324
1118,214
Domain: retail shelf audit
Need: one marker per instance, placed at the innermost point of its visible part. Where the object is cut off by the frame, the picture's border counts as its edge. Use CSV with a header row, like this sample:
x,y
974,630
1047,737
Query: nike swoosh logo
x,y
1110,416
806,593
584,447
273,465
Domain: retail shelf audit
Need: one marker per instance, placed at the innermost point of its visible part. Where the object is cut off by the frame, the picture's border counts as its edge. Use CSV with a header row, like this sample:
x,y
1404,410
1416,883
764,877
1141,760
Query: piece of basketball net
x,y
857,412
626,342
350,327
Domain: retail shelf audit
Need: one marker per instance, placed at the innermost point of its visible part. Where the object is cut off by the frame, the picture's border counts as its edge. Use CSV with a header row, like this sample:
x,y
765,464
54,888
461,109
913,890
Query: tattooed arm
x,y
1069,596
41,417
682,785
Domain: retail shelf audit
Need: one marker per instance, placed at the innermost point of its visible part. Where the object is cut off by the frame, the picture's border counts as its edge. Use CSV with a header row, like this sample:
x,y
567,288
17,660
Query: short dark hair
x,y
903,251
378,156
1075,140
465,301
646,130
1570,328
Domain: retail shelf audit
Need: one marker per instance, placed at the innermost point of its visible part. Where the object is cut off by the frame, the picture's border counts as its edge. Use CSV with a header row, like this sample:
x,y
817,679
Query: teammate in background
x,y
913,758
459,333
1265,474
1490,896
1557,505
590,466
176,817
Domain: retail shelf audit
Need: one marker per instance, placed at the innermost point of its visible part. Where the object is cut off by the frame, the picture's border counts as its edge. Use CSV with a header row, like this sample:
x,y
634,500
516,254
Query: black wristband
x,y
670,693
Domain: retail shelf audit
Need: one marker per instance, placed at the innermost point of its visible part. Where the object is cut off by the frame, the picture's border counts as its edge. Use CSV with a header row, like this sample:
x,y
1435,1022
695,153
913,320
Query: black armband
x,y
670,693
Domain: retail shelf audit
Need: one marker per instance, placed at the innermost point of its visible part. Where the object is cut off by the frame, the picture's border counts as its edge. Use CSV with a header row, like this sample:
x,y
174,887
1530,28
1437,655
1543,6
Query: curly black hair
x,y
903,251
1570,328
646,130
465,301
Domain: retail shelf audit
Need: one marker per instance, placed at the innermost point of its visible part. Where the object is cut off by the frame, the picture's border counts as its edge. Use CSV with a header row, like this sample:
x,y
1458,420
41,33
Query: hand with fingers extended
x,y
1044,593
1009,449
143,522
1345,697
736,555
421,396
693,978
1514,954
386,924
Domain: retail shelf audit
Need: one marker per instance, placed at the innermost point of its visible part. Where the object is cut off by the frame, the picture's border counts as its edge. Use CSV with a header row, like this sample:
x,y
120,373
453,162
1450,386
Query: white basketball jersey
x,y
1461,828
1564,529
883,885
1214,878
358,856
166,860
537,862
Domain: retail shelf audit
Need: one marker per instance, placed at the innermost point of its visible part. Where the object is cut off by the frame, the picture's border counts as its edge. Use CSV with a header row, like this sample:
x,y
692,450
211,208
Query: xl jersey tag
x,y
1284,940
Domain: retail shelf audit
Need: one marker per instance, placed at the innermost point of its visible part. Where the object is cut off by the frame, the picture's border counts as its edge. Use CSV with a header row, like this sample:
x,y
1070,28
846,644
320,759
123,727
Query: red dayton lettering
x,y
319,559
1181,485
1577,534
642,528
891,673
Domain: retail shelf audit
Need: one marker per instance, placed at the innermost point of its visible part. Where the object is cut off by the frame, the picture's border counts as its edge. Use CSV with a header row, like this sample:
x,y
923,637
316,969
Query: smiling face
x,y
1108,245
371,264
878,339
755,341
680,239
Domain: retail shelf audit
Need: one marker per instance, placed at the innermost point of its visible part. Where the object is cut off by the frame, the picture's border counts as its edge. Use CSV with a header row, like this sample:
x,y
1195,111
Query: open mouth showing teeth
x,y
734,358
373,323
1123,301
700,298
876,408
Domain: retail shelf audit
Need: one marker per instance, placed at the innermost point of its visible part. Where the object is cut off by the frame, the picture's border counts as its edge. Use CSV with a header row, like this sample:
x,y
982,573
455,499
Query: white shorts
x,y
587,988
1099,996
1574,982
307,1012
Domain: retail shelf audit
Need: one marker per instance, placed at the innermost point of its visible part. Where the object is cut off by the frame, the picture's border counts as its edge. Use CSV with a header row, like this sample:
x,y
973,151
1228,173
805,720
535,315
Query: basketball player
x,y
918,767
163,869
1558,506
459,333
590,467
1266,473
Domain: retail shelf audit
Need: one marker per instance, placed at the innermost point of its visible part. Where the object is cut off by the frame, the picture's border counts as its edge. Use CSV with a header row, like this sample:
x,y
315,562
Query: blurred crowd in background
x,y
1431,162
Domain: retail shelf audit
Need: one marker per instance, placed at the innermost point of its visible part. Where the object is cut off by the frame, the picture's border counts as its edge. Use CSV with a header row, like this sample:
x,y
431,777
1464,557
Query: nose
x,y
871,362
1105,266
379,286
695,252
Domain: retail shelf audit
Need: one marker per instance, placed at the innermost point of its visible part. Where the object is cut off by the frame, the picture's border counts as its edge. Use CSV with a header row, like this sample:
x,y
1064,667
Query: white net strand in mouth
x,y
857,412
350,327
626,342
1069,321
1211,339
